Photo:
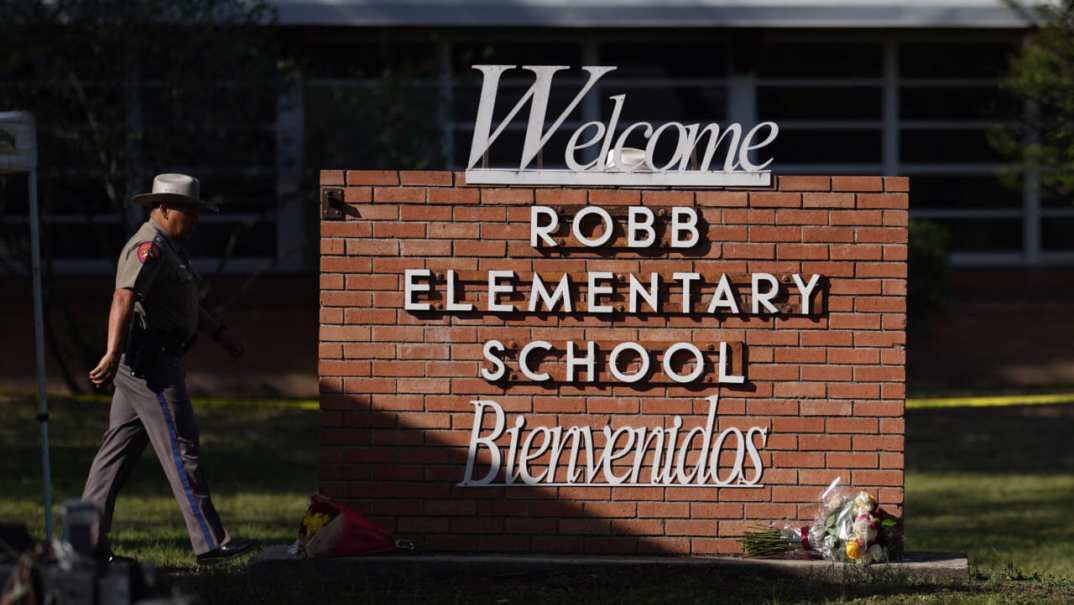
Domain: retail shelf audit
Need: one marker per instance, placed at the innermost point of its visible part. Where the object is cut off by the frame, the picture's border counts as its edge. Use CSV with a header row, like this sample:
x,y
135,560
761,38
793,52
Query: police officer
x,y
153,321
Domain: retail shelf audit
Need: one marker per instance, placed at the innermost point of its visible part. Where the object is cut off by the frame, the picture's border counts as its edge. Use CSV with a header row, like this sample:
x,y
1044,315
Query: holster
x,y
144,347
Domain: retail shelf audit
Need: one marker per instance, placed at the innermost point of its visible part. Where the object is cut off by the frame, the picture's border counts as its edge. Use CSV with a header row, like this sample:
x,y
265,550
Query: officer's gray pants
x,y
155,410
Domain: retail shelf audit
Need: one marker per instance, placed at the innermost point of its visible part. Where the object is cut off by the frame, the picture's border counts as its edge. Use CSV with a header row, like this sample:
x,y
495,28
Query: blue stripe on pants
x,y
182,472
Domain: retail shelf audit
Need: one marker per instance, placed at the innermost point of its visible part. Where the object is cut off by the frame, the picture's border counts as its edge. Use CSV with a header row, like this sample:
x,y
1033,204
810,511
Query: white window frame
x,y
1030,211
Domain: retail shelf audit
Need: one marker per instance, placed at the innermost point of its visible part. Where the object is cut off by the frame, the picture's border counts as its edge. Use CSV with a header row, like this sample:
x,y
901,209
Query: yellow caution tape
x,y
296,404
991,401
300,404
915,403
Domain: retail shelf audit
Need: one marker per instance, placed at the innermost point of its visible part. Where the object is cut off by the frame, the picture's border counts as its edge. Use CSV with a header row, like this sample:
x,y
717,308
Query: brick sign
x,y
615,370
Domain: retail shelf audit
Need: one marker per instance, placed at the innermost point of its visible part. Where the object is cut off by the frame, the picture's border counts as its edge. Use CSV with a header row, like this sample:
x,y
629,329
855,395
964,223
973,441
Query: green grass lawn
x,y
997,483
260,459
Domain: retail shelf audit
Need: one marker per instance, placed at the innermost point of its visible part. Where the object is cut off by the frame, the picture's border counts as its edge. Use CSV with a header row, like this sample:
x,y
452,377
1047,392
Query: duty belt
x,y
144,348
178,347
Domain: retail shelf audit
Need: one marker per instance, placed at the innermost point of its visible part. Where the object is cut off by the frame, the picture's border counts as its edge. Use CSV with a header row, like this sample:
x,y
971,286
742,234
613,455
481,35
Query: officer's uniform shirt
x,y
160,274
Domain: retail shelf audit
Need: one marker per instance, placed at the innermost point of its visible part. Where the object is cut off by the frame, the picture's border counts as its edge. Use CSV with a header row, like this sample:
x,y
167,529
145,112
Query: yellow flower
x,y
313,523
853,549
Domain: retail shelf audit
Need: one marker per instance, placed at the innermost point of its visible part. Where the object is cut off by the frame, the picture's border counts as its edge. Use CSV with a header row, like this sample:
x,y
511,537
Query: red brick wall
x,y
396,386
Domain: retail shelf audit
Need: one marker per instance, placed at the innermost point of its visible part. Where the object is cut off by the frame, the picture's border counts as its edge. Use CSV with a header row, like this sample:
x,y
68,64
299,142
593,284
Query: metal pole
x,y
19,131
39,342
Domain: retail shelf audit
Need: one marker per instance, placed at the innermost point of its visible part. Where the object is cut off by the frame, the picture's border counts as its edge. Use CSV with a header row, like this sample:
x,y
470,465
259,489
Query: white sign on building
x,y
708,155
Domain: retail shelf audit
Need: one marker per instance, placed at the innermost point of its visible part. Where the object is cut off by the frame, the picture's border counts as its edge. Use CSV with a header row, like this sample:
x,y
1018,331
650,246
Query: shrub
x,y
929,276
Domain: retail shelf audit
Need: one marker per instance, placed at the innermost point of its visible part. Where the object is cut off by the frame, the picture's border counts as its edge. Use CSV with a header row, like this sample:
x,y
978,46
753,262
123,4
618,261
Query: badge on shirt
x,y
148,253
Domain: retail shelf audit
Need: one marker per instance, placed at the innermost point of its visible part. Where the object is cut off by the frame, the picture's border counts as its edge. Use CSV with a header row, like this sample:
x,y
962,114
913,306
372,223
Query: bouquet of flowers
x,y
849,527
330,529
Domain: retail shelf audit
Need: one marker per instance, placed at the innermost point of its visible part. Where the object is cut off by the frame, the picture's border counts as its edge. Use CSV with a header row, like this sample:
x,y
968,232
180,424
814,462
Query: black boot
x,y
226,552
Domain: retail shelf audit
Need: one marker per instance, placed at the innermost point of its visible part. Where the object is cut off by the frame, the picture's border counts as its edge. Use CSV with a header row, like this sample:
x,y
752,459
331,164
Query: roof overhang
x,y
983,14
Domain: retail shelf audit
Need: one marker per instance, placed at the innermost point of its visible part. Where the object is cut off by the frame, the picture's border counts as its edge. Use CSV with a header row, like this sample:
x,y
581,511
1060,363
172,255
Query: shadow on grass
x,y
245,448
1018,439
657,584
995,482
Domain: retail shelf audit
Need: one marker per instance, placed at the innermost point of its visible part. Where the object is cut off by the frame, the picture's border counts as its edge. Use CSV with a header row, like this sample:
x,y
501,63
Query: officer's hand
x,y
105,370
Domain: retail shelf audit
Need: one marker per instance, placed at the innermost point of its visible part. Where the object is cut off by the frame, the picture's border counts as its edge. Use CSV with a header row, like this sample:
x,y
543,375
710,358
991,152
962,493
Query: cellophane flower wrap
x,y
849,527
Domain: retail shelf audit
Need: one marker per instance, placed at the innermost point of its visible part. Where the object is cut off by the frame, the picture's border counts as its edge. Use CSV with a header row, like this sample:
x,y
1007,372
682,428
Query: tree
x,y
123,89
1042,74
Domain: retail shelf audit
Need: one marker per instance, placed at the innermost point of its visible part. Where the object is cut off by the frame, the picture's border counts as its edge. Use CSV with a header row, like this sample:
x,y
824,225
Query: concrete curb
x,y
273,562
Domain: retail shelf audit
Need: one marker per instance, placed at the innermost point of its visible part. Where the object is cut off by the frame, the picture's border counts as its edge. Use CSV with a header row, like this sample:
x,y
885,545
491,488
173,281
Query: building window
x,y
827,98
948,99
371,102
908,105
235,158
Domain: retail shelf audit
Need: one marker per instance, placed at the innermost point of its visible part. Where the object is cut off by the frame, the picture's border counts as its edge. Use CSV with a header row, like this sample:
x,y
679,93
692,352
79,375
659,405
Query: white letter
x,y
410,287
634,226
491,348
617,154
762,298
715,138
524,364
606,219
562,292
583,436
736,467
724,296
573,145
686,279
699,362
593,291
610,454
489,442
755,456
537,231
651,296
744,151
806,290
700,471
525,456
724,377
696,473
650,149
613,362
512,448
589,361
679,225
451,304
613,123
655,476
538,92
496,289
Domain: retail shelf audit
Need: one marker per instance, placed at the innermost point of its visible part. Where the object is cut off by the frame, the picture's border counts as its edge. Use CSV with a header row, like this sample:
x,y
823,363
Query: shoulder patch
x,y
148,252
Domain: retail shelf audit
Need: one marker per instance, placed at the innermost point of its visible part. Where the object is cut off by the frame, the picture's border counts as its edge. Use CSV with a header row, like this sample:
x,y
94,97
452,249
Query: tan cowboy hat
x,y
175,190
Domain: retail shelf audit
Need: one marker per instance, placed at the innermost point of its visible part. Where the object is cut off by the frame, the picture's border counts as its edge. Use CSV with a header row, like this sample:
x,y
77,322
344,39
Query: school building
x,y
858,87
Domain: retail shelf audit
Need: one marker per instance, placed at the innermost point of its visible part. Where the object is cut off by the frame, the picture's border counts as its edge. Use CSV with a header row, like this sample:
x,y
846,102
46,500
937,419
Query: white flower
x,y
863,504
